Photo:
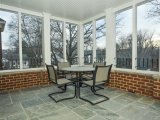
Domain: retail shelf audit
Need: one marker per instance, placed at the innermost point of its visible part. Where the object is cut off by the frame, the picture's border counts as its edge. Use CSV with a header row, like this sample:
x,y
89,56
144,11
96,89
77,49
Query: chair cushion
x,y
88,77
90,83
63,81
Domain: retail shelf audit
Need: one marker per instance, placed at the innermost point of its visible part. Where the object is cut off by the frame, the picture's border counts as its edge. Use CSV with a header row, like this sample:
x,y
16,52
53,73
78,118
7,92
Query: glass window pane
x,y
101,40
56,32
88,43
124,39
31,41
71,43
9,52
148,38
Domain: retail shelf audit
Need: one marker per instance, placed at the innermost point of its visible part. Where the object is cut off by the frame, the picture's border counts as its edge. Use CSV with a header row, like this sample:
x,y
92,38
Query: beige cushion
x,y
63,65
62,81
102,74
90,82
88,76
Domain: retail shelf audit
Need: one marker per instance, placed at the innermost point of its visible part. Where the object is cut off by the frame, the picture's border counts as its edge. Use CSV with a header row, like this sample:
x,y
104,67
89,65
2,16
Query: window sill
x,y
7,72
155,75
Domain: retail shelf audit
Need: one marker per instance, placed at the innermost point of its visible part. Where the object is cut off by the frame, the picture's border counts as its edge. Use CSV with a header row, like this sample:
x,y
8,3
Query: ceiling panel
x,y
71,9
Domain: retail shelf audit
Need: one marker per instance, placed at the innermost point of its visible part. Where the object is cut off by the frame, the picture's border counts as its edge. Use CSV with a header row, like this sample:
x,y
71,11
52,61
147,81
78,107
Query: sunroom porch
x,y
123,33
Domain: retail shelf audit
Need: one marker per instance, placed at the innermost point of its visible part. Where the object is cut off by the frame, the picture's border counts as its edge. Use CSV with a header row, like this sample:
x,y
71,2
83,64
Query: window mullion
x,y
46,39
134,38
94,40
80,45
64,42
20,41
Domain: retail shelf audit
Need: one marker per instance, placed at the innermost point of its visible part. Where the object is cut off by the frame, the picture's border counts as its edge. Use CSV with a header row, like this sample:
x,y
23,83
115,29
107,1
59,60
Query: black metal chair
x,y
101,76
61,83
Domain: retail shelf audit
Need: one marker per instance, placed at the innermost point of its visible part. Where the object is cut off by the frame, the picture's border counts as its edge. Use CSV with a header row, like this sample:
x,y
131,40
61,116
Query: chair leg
x,y
94,92
63,91
99,88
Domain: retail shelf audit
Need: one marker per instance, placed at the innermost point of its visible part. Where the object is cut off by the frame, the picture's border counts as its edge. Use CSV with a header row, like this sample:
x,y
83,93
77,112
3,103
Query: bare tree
x,y
31,38
71,43
154,10
56,37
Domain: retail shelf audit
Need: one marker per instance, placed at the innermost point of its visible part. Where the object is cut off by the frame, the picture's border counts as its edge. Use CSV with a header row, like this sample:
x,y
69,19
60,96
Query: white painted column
x,y
80,45
110,37
20,41
46,38
94,40
159,60
64,42
134,38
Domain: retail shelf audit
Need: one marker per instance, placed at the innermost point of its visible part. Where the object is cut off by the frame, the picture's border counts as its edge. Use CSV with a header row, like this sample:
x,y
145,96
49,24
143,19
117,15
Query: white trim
x,y
64,19
16,9
20,70
134,37
93,18
94,41
137,71
81,45
46,47
110,37
40,14
110,55
159,60
129,4
64,42
20,41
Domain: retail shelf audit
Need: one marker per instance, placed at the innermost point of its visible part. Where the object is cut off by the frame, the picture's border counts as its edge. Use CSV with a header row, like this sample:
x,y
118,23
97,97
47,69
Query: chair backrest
x,y
51,73
63,65
102,73
99,64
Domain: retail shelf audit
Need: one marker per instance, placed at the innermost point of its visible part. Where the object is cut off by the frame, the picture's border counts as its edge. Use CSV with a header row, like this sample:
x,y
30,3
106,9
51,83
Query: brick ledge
x,y
11,72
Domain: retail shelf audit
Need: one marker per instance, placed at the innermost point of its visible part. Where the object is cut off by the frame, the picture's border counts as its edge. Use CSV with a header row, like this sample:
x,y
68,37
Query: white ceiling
x,y
71,9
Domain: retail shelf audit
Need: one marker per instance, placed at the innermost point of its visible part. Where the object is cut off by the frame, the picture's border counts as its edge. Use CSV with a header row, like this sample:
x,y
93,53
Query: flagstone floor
x,y
34,104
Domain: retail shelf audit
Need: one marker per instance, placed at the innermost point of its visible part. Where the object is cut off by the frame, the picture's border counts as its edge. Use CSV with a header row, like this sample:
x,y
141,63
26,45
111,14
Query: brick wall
x,y
132,82
23,80
142,84
156,89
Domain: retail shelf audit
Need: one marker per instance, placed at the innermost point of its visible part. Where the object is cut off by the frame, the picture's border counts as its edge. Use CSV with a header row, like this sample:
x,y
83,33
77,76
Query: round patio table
x,y
78,70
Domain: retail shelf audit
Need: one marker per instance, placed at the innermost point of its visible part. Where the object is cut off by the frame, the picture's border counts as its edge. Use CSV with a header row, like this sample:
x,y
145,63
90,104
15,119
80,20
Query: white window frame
x,y
110,35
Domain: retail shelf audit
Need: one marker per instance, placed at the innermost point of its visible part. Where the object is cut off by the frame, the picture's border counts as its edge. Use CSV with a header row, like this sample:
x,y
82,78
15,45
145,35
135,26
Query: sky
x,y
101,42
7,17
143,22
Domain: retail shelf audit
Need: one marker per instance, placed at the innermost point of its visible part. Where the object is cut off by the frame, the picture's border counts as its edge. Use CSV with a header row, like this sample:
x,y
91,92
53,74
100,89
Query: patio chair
x,y
63,73
60,83
101,76
89,76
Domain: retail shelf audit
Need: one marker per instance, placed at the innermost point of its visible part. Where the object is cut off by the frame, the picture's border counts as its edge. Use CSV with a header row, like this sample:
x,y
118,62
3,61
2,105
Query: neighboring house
x,y
12,61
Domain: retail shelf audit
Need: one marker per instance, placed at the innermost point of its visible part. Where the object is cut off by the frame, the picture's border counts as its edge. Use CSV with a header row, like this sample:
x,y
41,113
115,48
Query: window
x,y
148,36
71,43
124,39
101,40
88,43
56,28
9,52
31,41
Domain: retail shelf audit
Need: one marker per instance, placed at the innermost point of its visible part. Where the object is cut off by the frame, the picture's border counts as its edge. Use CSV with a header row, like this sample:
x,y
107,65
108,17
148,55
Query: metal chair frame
x,y
93,86
62,87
